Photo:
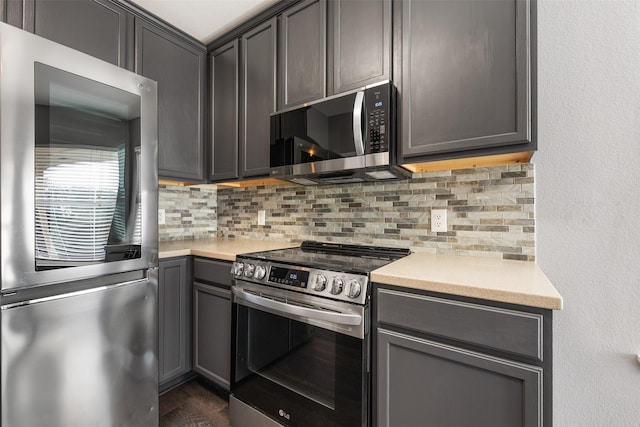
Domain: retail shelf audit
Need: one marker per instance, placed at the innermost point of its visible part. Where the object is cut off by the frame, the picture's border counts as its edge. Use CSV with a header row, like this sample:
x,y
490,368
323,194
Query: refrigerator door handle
x,y
71,294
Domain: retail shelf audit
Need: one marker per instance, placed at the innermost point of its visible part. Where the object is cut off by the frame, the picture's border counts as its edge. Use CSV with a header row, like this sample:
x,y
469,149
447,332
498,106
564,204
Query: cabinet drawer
x,y
212,271
496,328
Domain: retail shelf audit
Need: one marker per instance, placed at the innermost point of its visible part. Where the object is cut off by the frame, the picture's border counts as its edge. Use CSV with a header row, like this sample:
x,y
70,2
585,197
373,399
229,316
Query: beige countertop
x,y
225,249
515,282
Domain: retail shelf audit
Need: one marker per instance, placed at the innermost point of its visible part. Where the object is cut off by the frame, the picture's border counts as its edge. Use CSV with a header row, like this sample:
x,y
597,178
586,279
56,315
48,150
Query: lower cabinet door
x,y
426,383
212,323
174,313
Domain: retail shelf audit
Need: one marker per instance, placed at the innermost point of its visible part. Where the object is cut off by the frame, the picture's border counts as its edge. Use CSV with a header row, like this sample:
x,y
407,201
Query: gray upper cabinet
x,y
179,68
96,27
360,39
224,93
174,319
303,53
11,12
258,90
465,75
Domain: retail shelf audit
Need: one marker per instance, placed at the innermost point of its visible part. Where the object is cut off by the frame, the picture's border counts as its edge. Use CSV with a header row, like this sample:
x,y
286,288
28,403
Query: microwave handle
x,y
357,123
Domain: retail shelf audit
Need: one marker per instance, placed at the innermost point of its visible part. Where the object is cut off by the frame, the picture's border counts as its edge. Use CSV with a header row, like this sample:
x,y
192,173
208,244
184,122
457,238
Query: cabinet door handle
x,y
357,123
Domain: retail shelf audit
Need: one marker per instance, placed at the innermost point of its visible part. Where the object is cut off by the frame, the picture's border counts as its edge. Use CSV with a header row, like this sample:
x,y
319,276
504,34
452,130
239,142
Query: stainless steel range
x,y
301,334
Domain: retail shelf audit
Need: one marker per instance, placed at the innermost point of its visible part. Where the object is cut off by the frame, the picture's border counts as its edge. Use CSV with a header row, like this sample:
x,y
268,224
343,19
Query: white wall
x,y
588,204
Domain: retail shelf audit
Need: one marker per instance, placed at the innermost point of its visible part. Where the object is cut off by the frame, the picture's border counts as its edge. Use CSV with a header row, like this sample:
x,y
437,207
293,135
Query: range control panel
x,y
323,283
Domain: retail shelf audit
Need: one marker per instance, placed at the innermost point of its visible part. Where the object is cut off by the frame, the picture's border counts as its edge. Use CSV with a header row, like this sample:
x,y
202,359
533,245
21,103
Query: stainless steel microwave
x,y
345,138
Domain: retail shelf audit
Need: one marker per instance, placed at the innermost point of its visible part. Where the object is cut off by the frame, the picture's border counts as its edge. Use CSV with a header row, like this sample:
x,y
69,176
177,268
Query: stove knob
x,y
336,286
260,272
352,289
248,270
320,284
237,268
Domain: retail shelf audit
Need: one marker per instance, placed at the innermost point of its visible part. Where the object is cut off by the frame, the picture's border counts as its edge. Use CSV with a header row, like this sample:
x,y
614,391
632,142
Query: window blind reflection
x,y
76,194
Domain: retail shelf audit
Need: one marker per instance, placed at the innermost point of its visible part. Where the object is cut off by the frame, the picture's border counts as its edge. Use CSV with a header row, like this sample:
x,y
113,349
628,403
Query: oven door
x,y
292,364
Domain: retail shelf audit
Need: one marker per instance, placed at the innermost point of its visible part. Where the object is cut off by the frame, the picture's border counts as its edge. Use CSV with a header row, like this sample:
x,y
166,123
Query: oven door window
x,y
87,158
298,373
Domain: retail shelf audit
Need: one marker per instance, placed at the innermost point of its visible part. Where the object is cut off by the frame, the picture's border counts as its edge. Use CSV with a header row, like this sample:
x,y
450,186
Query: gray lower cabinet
x,y
428,383
258,100
212,320
303,53
179,67
444,362
464,77
174,315
360,40
96,27
224,97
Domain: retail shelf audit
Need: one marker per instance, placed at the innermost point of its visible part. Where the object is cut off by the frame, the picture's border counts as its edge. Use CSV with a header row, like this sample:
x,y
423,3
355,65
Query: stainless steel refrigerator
x,y
78,238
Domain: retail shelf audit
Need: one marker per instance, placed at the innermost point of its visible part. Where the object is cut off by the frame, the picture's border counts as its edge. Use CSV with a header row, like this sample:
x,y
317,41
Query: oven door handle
x,y
297,310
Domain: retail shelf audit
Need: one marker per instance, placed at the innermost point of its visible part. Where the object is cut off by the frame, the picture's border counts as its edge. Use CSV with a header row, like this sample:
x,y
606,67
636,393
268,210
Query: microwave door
x,y
358,107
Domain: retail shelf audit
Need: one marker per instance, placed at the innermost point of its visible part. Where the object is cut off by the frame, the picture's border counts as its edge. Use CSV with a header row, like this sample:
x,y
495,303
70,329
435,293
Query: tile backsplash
x,y
190,213
490,212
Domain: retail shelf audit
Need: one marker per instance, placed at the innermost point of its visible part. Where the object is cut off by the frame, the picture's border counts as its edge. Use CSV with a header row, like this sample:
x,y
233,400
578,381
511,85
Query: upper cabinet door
x,y
465,75
360,37
258,97
303,59
179,69
96,27
223,69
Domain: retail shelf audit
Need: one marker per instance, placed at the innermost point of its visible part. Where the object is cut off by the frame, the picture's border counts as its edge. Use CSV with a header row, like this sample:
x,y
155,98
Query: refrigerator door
x,y
78,165
86,358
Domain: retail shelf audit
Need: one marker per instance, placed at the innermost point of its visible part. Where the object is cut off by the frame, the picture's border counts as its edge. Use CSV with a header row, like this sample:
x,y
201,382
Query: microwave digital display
x,y
378,104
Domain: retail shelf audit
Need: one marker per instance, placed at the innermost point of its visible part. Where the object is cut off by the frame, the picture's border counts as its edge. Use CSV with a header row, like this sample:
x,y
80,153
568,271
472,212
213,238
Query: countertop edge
x,y
510,297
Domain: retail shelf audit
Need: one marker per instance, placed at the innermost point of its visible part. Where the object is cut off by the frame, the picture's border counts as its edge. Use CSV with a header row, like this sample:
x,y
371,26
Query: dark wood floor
x,y
193,404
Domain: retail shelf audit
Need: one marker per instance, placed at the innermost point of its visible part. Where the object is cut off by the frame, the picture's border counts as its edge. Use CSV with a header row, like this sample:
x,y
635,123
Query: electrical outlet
x,y
161,218
439,220
262,217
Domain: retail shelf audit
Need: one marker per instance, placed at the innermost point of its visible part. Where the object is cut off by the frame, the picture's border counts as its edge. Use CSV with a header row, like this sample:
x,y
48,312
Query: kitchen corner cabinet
x,y
360,43
174,319
447,362
303,53
179,68
464,77
224,97
212,320
258,100
99,28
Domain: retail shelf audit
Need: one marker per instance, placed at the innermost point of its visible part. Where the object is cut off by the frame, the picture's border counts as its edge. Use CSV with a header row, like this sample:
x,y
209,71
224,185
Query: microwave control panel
x,y
377,104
